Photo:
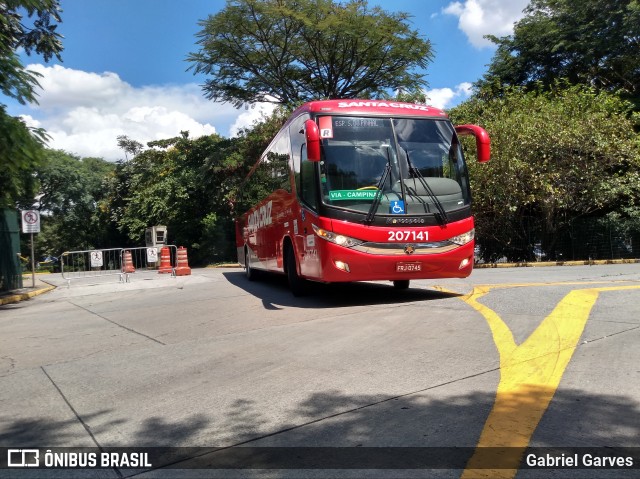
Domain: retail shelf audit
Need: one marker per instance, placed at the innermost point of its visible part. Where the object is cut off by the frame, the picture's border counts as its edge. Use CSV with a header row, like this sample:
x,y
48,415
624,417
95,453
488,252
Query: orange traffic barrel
x,y
183,263
127,263
165,261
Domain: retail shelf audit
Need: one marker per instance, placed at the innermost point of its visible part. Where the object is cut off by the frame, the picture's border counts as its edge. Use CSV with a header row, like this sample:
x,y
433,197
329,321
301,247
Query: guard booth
x,y
156,236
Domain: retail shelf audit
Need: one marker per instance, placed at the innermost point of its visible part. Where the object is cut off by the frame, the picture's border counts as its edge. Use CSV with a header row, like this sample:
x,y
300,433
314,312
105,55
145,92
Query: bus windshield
x,y
392,166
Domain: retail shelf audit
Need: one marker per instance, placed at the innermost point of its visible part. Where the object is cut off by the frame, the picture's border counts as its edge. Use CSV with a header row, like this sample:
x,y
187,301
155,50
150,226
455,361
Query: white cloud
x,y
445,97
477,18
251,115
85,112
67,88
30,121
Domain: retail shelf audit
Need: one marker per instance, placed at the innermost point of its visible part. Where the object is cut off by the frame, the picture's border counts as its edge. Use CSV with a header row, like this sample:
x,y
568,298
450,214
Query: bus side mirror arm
x,y
483,142
312,136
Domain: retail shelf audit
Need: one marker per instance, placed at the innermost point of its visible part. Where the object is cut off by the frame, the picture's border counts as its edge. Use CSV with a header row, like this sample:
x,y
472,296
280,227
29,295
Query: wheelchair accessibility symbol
x,y
396,207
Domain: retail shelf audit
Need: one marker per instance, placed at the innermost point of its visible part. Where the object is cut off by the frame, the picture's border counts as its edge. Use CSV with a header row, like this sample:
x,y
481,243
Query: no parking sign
x,y
31,221
31,224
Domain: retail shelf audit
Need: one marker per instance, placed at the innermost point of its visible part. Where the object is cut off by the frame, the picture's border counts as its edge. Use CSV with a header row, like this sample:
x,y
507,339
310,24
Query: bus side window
x,y
278,159
278,164
308,183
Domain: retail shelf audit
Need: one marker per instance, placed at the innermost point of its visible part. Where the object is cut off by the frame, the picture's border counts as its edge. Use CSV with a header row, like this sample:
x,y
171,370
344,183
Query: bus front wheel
x,y
296,283
401,284
250,273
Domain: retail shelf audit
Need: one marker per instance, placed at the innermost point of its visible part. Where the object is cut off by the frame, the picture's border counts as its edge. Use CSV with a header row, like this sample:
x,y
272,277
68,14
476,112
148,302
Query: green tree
x,y
72,203
21,153
191,186
557,156
170,183
292,51
589,42
41,37
21,147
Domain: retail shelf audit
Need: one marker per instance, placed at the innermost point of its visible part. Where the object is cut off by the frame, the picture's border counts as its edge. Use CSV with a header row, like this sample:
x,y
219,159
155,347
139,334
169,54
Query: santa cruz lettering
x,y
260,217
377,104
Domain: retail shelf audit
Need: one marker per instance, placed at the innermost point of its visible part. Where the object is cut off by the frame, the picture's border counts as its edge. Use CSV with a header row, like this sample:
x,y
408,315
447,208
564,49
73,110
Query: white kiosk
x,y
156,236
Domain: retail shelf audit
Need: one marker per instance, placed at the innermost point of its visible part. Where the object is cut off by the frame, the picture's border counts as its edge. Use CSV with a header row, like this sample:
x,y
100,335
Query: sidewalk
x,y
16,295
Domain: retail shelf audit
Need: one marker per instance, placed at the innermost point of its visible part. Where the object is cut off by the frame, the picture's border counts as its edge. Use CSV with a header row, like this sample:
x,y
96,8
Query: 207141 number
x,y
408,235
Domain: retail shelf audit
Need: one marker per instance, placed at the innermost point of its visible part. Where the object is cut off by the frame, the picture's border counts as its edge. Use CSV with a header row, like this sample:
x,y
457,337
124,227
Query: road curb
x,y
15,298
556,263
535,264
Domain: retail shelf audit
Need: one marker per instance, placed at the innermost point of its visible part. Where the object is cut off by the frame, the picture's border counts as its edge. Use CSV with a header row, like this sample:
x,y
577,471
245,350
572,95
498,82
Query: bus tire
x,y
249,272
297,285
401,284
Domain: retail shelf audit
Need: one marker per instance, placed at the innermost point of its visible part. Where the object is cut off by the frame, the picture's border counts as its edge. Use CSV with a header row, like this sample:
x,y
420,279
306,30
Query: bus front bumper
x,y
340,264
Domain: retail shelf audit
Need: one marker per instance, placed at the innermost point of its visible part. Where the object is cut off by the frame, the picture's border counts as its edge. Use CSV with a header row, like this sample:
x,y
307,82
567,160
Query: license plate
x,y
408,267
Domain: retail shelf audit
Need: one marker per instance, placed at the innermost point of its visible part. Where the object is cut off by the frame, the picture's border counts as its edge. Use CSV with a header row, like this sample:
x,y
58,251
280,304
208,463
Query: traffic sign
x,y
96,259
152,255
31,221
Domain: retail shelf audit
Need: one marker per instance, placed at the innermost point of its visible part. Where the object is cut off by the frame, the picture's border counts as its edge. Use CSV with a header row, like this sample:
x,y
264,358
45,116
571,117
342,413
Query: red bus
x,y
361,190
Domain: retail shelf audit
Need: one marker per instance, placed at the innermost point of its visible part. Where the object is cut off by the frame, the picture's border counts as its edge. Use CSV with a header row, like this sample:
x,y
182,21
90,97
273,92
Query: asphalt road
x,y
545,357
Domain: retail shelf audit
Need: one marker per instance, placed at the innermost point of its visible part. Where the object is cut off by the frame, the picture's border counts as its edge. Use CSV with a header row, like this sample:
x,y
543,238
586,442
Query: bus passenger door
x,y
307,244
306,184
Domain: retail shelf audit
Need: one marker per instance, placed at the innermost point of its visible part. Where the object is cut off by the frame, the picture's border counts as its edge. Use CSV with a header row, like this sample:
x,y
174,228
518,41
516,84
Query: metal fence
x,y
121,262
585,239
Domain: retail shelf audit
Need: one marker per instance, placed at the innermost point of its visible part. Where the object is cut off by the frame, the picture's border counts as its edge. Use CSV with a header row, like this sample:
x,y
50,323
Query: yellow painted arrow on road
x,y
529,373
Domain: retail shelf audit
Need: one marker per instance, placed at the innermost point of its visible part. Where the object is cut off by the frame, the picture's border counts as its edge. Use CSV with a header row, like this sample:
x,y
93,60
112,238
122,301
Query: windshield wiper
x,y
441,215
376,201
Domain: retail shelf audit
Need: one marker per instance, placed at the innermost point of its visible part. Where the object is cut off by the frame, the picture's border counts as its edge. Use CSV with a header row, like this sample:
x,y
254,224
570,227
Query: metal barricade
x,y
122,262
91,264
148,260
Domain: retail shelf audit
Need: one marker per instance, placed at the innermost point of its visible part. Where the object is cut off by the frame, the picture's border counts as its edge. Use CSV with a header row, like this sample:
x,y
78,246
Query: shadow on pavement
x,y
336,420
273,290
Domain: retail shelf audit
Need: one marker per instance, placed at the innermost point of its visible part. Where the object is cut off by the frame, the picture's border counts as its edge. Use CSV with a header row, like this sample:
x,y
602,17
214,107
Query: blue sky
x,y
124,68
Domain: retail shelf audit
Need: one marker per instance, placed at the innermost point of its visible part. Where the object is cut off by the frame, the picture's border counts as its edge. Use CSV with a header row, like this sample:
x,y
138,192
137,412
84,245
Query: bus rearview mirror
x,y
483,142
312,135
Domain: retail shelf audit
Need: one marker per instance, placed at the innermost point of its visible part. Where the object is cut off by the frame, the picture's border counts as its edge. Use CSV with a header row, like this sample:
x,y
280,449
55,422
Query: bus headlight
x,y
341,240
464,238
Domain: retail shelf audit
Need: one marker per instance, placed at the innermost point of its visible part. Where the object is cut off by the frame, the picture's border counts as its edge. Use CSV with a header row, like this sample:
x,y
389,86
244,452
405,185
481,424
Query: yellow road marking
x,y
529,373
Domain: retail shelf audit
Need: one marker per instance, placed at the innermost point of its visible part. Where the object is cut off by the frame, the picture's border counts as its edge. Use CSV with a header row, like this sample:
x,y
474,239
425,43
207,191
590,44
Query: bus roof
x,y
370,107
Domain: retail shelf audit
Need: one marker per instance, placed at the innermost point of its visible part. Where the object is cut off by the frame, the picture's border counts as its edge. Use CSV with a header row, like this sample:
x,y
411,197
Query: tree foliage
x,y
557,156
189,185
40,37
72,202
21,150
21,153
588,42
292,51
